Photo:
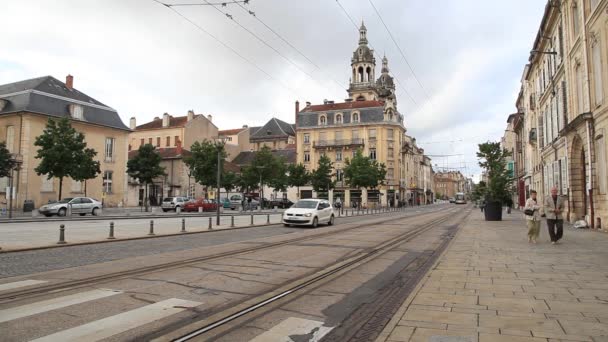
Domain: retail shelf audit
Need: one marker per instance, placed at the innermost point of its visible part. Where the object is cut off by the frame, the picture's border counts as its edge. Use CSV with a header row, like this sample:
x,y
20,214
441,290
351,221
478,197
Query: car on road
x,y
282,203
206,204
452,200
172,203
309,212
79,205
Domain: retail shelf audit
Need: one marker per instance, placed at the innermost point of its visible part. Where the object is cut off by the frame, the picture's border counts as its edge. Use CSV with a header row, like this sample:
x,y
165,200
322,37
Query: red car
x,y
206,204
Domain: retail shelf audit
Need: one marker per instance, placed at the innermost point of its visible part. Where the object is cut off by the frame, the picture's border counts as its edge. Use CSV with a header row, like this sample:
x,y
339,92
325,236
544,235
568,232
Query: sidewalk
x,y
492,285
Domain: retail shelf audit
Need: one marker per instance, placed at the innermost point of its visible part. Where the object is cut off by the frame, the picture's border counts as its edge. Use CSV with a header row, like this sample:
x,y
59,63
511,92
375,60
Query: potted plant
x,y
498,189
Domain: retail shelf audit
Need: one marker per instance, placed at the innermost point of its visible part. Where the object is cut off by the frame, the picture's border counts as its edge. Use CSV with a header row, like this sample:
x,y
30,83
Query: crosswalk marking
x,y
107,327
294,326
23,283
53,304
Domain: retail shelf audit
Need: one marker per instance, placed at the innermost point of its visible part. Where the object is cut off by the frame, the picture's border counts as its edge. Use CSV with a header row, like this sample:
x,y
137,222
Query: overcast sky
x,y
143,59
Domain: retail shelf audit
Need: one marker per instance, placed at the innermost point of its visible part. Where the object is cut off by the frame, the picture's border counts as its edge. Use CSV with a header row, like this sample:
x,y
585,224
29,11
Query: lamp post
x,y
260,168
16,158
220,142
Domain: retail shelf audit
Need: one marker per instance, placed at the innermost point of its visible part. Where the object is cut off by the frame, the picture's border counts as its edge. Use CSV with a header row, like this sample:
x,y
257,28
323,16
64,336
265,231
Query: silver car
x,y
172,203
78,205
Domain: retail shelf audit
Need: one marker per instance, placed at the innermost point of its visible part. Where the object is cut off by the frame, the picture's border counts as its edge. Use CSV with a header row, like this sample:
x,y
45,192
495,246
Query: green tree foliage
x,y
321,178
203,161
62,152
230,181
479,191
87,168
494,160
298,176
7,163
266,168
363,172
279,180
145,167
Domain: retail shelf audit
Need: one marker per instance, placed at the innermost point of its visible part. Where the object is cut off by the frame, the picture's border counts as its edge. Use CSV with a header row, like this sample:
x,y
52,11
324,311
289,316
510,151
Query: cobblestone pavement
x,y
492,285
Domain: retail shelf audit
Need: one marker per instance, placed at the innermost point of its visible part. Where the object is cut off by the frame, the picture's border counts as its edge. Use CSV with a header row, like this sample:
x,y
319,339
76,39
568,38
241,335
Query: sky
x,y
457,63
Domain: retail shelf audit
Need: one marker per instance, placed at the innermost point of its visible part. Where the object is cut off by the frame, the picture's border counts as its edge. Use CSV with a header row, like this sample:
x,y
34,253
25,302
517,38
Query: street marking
x,y
283,331
53,304
110,326
23,283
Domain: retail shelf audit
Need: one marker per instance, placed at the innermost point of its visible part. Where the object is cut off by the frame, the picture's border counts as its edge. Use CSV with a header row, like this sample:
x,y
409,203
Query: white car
x,y
309,212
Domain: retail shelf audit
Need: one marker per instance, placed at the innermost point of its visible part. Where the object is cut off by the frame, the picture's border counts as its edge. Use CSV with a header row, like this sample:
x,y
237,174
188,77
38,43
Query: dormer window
x,y
3,104
338,118
322,120
76,111
355,118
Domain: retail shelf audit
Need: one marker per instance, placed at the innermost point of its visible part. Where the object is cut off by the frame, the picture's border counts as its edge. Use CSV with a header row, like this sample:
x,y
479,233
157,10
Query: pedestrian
x,y
532,212
553,207
482,206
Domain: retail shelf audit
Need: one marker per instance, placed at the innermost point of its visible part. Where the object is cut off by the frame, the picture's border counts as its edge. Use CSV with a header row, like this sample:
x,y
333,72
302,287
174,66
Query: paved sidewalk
x,y
492,285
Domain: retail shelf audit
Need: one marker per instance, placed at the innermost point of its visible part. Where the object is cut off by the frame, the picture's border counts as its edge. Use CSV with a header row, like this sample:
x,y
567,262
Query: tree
x,y
493,159
7,162
203,162
321,178
298,176
87,168
62,151
279,180
363,172
145,166
230,181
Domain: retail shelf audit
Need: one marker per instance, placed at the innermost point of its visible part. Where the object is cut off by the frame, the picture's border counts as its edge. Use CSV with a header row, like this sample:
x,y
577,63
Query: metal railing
x,y
338,142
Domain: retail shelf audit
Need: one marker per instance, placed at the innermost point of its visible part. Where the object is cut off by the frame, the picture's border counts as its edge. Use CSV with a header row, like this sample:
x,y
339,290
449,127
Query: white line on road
x,y
294,326
23,283
53,304
107,327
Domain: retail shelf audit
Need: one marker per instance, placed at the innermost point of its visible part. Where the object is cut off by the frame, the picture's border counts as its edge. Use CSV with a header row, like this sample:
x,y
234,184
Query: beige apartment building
x,y
26,107
448,184
563,102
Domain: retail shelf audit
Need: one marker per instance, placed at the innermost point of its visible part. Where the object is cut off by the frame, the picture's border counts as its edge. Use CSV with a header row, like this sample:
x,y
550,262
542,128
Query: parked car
x,y
282,203
226,203
206,204
172,203
80,205
452,200
309,212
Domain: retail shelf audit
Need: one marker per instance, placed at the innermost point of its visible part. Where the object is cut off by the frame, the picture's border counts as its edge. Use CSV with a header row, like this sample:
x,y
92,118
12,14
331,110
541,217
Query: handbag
x,y
529,212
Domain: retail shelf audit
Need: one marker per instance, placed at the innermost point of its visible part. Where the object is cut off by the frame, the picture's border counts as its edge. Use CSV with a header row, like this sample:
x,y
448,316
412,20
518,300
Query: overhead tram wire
x,y
231,17
287,42
400,50
223,4
228,47
376,53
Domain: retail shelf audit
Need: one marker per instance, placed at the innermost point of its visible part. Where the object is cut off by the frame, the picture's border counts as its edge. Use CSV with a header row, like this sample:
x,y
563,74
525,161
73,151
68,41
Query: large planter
x,y
493,211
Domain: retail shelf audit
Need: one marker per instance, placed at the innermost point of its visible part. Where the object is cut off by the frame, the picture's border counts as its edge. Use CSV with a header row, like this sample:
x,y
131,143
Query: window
x,y
76,111
47,184
390,173
391,153
580,90
389,134
168,142
107,182
141,142
76,186
338,155
157,141
110,149
338,118
372,134
322,120
596,53
306,157
601,163
10,139
307,138
339,175
372,153
355,118
355,134
575,19
150,141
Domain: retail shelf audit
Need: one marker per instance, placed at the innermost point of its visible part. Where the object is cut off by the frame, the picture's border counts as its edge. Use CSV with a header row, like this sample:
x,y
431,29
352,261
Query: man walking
x,y
553,207
532,212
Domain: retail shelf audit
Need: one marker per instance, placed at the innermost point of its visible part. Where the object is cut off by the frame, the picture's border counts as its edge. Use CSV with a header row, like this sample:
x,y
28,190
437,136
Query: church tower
x,y
363,64
386,84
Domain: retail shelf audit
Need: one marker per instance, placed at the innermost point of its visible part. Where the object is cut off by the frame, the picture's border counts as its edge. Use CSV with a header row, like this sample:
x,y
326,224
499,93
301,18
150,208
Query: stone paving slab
x,y
492,285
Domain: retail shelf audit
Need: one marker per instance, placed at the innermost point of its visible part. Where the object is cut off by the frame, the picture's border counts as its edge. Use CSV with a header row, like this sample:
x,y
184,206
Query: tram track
x,y
22,294
218,324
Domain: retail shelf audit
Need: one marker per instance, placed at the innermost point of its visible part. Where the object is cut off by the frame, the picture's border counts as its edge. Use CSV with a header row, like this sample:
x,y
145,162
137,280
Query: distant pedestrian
x,y
482,206
532,212
553,207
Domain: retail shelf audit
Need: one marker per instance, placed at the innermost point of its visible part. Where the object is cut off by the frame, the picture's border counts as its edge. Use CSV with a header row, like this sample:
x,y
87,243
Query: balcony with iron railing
x,y
337,143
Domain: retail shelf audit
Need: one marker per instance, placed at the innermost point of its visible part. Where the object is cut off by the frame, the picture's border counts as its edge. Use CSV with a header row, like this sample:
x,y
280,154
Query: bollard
x,y
232,221
151,228
61,235
267,219
210,224
252,219
183,226
111,235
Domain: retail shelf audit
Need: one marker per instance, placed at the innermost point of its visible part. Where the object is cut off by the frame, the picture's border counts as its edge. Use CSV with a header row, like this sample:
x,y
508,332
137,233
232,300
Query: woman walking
x,y
532,212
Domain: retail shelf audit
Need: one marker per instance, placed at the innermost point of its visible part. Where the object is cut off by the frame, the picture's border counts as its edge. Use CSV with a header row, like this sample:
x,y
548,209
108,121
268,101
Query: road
x,y
165,287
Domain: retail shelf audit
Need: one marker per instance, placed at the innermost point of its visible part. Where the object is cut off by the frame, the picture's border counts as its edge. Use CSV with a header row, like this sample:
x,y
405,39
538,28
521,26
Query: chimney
x,y
69,82
297,107
165,120
245,126
190,115
209,117
156,118
348,100
325,101
178,148
132,123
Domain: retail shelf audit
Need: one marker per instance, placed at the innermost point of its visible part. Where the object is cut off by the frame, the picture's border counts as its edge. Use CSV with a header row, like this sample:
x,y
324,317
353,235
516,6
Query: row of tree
x,y
64,153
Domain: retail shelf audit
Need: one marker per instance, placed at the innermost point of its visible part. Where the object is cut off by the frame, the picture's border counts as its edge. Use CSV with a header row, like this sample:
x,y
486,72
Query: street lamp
x,y
16,158
219,143
261,185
